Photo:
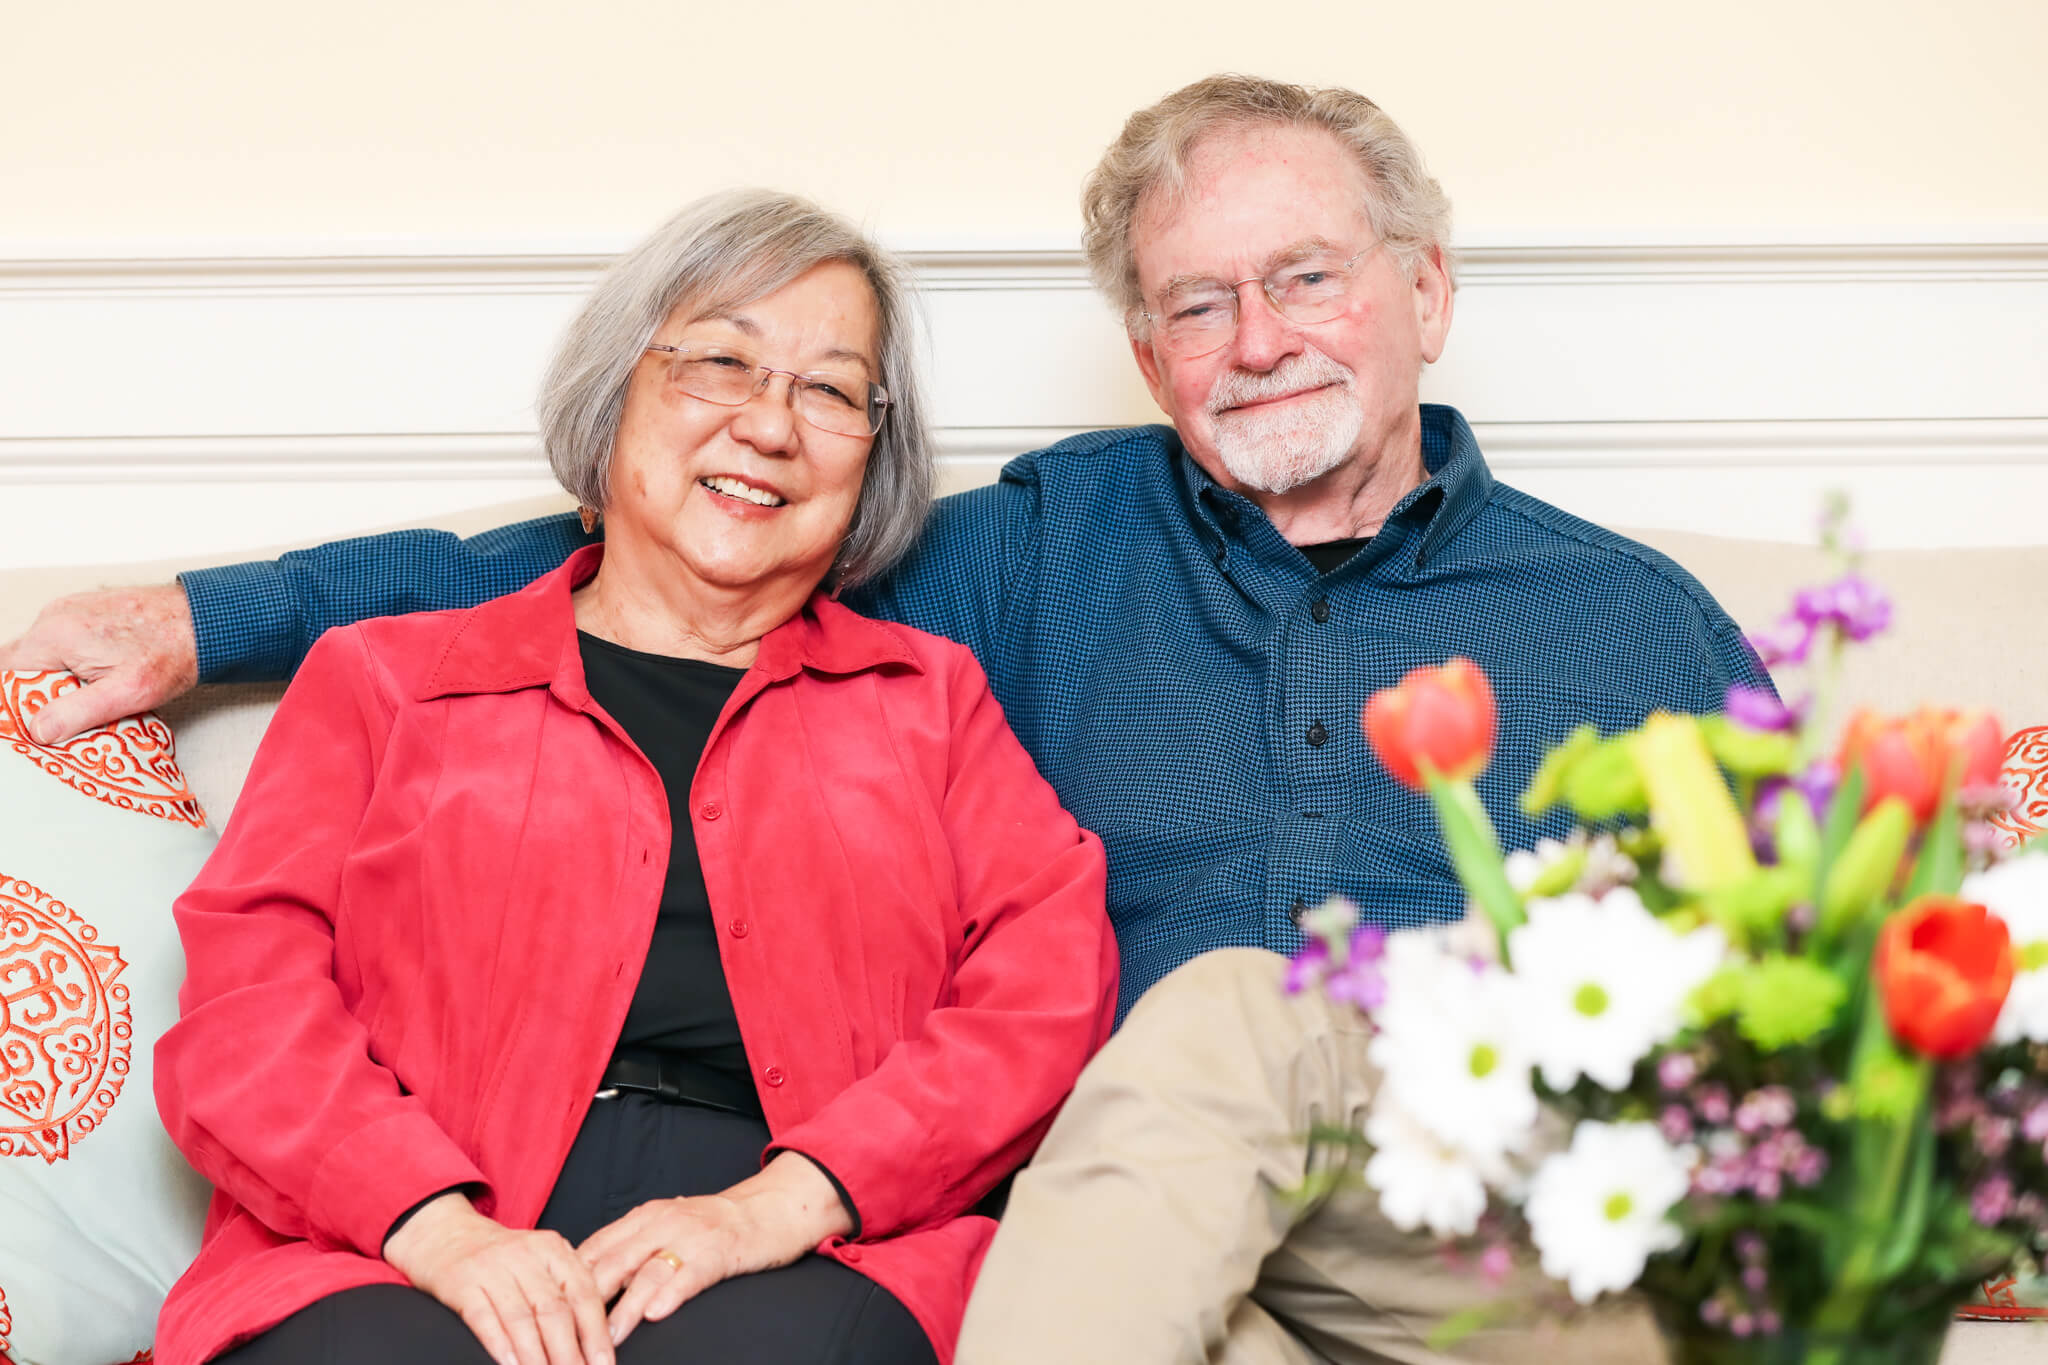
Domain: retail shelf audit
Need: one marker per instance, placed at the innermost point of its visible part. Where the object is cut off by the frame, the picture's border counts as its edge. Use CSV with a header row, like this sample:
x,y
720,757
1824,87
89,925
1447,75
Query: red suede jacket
x,y
411,955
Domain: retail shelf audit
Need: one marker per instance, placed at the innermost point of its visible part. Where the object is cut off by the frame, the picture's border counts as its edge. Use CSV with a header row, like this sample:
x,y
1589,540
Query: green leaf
x,y
1749,753
1861,875
1843,810
1546,788
1475,853
1756,905
1690,803
1788,1000
1797,835
1466,1321
1939,869
1605,783
1719,996
1909,1225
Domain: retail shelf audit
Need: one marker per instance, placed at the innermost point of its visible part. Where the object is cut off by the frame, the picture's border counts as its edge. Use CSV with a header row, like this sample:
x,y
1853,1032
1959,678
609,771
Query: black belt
x,y
676,1079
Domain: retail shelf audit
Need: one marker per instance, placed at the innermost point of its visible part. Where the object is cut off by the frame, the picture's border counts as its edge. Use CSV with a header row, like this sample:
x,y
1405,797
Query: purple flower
x,y
1993,1135
1359,984
1495,1263
1809,1167
1712,1103
1675,1071
1852,604
1675,1123
1749,1245
1742,1325
1769,1323
1758,708
1755,1279
1991,1203
1309,967
1713,1312
2034,1126
1788,642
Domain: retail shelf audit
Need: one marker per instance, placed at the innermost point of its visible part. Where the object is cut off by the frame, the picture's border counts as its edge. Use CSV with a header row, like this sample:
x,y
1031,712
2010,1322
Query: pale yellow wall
x,y
464,118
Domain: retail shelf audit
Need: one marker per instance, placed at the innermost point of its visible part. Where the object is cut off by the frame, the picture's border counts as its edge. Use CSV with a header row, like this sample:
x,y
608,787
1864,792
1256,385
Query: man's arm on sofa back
x,y
254,622
138,648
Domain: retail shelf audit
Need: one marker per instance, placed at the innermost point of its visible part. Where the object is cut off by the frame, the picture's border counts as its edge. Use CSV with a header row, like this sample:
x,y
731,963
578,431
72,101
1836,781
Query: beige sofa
x,y
1971,629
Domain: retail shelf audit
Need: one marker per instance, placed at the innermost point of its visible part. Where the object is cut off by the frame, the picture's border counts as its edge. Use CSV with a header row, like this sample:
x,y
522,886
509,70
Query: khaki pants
x,y
1158,1221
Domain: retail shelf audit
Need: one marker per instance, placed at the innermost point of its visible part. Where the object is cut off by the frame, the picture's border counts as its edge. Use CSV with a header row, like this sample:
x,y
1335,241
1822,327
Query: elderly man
x,y
1182,623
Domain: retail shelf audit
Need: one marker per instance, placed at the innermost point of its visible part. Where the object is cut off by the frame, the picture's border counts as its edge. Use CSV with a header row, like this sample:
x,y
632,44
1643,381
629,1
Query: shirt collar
x,y
1458,486
528,639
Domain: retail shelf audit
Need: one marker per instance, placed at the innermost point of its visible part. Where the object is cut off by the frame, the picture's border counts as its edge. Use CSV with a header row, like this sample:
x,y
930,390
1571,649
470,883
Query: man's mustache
x,y
1309,370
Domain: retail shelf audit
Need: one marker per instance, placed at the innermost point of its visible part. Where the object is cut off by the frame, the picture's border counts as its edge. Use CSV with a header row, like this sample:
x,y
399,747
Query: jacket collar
x,y
528,639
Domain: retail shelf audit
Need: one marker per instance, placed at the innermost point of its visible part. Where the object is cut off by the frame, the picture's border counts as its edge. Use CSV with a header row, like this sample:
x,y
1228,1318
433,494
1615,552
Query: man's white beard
x,y
1281,448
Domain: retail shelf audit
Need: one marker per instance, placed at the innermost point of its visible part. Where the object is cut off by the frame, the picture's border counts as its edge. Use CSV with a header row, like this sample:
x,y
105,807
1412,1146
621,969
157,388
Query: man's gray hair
x,y
1407,208
722,251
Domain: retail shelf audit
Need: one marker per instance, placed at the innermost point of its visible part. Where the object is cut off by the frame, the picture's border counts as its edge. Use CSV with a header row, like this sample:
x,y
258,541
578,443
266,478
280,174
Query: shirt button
x,y
849,1253
711,810
1320,612
774,1075
739,928
1317,736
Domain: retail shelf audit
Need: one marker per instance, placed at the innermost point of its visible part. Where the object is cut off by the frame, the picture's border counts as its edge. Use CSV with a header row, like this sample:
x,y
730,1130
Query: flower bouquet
x,y
1765,1038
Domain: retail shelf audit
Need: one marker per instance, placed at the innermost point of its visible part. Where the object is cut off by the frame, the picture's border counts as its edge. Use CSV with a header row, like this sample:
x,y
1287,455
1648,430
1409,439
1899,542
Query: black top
x,y
1331,554
668,707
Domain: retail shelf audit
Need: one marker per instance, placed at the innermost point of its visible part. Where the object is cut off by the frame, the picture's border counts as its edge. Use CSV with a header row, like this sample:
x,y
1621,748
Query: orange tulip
x,y
1439,719
1943,967
1914,757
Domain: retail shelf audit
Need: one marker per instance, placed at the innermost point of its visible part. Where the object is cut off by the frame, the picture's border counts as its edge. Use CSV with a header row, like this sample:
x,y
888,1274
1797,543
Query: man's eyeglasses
x,y
844,404
1199,317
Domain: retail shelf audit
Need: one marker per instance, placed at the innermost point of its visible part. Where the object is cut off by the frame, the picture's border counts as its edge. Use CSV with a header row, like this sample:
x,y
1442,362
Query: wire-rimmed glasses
x,y
1199,317
844,404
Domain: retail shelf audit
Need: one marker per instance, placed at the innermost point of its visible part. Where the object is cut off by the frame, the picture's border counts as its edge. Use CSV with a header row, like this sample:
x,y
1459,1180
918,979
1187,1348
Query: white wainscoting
x,y
199,401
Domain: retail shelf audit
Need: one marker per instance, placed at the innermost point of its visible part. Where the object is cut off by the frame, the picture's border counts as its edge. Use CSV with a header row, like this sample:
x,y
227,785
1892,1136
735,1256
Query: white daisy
x,y
1597,1211
1450,1048
2017,892
1422,1180
1602,982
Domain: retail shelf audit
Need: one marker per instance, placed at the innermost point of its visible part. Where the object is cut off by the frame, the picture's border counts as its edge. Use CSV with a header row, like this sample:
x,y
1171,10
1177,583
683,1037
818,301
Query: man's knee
x,y
1219,978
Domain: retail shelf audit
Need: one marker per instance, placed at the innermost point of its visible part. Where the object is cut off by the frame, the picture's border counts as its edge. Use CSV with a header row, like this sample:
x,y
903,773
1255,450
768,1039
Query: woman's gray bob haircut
x,y
722,251
1407,208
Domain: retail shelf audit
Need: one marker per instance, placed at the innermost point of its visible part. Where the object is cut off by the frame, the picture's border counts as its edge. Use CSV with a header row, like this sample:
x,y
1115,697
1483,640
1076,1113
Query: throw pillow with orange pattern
x,y
98,1212
2021,1295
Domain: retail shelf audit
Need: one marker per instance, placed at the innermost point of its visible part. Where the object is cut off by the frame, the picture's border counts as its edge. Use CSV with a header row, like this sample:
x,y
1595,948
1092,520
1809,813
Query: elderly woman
x,y
663,935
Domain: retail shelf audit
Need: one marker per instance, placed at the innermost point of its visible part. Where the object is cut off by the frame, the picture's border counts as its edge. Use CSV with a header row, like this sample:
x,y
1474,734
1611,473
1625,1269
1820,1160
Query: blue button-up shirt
x,y
1183,676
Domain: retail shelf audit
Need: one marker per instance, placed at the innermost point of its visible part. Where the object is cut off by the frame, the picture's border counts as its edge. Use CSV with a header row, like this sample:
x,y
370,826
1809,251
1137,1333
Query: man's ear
x,y
1148,366
1432,298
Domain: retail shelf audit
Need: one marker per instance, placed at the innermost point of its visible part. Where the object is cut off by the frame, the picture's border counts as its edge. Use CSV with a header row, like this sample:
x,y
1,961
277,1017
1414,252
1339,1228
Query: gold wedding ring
x,y
675,1261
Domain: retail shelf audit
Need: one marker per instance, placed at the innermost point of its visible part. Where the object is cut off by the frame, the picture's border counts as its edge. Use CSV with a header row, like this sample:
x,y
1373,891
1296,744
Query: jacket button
x,y
1317,736
774,1075
739,928
1320,612
849,1253
711,810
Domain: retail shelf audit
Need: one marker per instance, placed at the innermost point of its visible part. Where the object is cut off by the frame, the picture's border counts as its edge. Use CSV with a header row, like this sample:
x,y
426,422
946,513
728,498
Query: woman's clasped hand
x,y
533,1299
528,1297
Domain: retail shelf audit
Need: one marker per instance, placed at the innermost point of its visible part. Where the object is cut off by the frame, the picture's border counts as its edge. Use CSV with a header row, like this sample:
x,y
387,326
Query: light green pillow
x,y
99,1214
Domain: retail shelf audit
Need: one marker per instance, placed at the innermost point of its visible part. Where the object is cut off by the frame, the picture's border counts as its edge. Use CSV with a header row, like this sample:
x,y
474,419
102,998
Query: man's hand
x,y
132,647
668,1251
525,1295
